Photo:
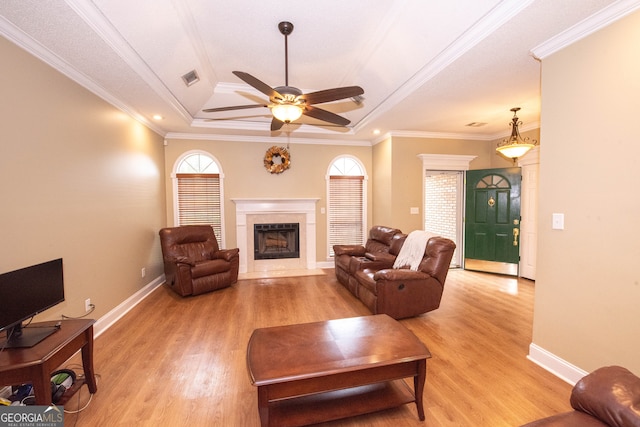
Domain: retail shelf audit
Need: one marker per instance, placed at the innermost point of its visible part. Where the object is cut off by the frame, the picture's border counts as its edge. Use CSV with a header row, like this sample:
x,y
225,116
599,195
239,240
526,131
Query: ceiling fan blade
x,y
324,115
276,124
334,94
257,84
236,107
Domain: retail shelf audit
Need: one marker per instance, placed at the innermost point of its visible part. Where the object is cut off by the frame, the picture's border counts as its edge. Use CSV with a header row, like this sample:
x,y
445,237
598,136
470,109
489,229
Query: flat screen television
x,y
25,293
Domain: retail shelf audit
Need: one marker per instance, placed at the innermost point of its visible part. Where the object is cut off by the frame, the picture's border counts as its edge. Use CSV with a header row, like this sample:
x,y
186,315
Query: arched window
x,y
346,202
198,190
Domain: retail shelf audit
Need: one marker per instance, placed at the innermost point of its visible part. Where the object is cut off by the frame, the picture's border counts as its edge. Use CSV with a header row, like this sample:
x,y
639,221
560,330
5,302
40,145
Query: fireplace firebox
x,y
275,241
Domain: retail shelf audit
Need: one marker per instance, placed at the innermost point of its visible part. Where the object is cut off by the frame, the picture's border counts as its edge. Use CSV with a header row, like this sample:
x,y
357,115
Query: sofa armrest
x,y
178,277
226,254
381,257
353,250
611,394
178,259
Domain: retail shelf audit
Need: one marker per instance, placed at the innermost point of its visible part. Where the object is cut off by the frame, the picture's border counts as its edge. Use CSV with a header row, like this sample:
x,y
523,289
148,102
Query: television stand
x,y
36,364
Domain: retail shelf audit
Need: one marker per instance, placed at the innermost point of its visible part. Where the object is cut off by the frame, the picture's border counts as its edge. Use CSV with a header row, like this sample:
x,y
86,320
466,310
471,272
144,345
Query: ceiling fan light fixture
x,y
286,112
515,146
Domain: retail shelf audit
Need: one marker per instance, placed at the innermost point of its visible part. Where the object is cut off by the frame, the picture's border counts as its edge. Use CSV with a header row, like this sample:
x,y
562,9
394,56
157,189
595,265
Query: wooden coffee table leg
x,y
418,386
263,406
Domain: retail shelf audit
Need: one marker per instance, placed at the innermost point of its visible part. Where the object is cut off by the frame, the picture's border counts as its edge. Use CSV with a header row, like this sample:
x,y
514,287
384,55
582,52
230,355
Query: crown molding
x,y
440,135
88,12
278,140
448,162
590,25
35,48
263,126
483,28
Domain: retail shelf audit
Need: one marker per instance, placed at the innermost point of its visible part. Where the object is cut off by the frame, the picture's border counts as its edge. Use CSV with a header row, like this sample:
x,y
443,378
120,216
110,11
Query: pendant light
x,y
515,146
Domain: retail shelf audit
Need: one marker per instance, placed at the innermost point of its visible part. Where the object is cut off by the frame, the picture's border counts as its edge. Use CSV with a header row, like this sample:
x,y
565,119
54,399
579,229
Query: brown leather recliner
x,y
193,262
403,292
607,397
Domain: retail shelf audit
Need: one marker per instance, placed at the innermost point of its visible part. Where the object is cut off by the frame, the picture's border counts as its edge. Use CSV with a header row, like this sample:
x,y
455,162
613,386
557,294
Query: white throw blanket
x,y
413,249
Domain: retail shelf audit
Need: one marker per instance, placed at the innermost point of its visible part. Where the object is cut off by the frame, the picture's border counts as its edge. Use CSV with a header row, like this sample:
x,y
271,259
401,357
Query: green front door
x,y
492,220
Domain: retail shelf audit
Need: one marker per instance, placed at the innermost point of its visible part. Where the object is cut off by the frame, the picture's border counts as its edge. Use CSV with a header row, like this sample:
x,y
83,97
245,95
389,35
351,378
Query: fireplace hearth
x,y
276,241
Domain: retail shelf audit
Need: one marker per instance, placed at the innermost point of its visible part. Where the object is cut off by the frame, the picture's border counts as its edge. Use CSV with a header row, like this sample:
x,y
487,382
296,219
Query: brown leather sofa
x,y
193,262
380,251
607,397
399,293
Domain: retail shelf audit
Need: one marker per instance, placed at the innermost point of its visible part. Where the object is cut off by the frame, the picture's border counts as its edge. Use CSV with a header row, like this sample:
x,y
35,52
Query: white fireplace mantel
x,y
270,207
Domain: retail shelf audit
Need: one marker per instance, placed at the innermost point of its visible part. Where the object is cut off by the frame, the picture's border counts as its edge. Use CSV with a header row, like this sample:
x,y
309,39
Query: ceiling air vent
x,y
190,78
475,124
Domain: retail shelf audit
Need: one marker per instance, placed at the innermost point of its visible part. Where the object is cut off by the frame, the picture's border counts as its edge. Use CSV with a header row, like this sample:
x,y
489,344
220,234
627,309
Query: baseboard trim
x,y
557,366
106,321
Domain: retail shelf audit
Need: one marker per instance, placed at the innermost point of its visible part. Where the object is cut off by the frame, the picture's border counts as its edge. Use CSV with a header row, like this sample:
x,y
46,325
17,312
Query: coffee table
x,y
323,371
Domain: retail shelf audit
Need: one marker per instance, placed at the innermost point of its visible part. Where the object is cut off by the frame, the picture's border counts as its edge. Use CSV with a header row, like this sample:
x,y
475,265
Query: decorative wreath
x,y
277,159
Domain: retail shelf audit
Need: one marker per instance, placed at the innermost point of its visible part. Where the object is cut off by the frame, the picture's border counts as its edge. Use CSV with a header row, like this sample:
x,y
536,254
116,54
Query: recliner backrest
x,y
396,243
190,243
437,258
380,238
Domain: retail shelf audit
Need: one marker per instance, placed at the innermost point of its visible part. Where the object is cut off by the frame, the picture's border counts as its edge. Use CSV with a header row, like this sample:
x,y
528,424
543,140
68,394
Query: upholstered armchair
x,y
402,292
193,262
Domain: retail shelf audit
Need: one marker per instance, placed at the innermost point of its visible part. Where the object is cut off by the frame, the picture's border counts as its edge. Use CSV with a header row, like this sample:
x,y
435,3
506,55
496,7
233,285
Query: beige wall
x,y
392,166
383,183
80,181
404,174
246,177
588,288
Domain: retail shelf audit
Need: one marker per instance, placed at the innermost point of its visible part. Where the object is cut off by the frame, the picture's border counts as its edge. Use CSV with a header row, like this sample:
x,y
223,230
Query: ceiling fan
x,y
288,103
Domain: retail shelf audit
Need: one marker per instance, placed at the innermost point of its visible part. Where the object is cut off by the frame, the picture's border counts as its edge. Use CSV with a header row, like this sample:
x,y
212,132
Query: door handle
x,y
516,233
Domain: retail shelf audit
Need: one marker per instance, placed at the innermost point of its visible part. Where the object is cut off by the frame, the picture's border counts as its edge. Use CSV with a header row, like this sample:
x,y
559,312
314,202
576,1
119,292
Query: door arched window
x,y
198,190
346,202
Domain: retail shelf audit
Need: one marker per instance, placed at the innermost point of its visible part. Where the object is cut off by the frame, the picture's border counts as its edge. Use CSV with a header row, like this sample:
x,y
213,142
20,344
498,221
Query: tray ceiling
x,y
428,68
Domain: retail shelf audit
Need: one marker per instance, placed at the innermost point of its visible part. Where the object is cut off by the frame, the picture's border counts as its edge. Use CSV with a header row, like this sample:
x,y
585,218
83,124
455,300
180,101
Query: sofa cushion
x,y
365,279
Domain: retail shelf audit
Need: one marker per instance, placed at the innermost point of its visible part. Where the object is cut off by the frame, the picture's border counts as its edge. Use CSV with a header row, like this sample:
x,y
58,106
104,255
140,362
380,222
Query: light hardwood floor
x,y
176,361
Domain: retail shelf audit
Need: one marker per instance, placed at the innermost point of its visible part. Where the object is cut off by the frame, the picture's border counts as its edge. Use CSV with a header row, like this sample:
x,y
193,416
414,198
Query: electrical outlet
x,y
143,272
87,305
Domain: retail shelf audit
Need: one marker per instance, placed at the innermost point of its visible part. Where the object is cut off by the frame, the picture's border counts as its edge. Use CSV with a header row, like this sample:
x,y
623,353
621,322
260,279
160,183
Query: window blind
x,y
345,211
199,201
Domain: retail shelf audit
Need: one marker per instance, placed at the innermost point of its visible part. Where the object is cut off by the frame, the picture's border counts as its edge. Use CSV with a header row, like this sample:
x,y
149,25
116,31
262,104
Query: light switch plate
x,y
557,221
